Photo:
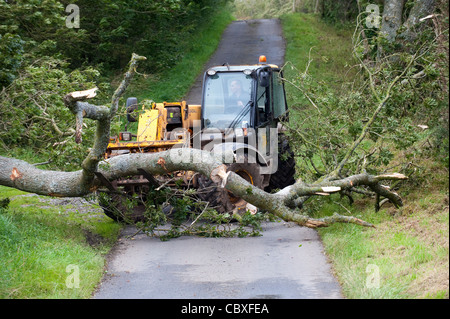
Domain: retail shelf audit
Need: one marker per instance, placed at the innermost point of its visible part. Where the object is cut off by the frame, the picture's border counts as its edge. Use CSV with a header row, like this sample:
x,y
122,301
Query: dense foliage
x,y
329,118
109,31
42,59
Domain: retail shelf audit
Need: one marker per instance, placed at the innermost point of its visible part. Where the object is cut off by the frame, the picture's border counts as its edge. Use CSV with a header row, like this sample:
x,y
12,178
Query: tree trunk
x,y
21,175
316,6
391,18
413,25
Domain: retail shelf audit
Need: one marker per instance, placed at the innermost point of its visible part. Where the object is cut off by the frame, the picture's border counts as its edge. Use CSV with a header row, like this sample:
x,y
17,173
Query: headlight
x,y
125,136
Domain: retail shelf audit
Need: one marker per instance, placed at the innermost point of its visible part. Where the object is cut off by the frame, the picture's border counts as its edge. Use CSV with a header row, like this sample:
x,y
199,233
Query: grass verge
x,y
329,48
407,254
49,245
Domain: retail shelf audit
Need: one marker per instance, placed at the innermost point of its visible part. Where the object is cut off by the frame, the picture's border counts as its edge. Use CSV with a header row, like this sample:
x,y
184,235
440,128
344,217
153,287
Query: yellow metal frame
x,y
152,129
143,145
148,126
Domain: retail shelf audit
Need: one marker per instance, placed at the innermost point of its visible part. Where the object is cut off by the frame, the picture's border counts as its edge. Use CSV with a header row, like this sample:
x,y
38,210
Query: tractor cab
x,y
245,96
240,112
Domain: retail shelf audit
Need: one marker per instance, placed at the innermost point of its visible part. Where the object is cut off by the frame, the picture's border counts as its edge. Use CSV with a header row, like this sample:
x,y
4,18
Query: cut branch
x,y
102,114
28,178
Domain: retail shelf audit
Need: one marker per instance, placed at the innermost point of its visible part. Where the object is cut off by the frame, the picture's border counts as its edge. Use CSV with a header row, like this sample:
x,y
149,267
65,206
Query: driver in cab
x,y
237,97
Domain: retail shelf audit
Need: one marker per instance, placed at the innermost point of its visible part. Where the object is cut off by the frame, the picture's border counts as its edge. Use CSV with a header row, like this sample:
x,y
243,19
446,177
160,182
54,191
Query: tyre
x,y
220,198
285,174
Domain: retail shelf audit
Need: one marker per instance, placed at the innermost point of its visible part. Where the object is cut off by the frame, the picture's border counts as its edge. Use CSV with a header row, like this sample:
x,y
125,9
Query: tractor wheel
x,y
285,174
220,198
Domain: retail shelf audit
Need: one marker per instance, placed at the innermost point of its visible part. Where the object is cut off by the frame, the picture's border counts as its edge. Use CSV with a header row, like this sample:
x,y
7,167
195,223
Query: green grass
x,y
408,251
320,50
40,242
408,247
329,49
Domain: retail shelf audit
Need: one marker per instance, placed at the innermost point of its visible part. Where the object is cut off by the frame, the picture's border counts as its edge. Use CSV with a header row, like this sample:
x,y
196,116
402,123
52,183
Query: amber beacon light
x,y
262,59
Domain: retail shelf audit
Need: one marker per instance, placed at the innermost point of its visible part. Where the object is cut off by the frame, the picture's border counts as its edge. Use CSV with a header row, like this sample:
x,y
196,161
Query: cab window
x,y
279,102
226,96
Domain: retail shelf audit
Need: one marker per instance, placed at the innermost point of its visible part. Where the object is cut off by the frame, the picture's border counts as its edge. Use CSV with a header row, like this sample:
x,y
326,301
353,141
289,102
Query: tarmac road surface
x,y
287,261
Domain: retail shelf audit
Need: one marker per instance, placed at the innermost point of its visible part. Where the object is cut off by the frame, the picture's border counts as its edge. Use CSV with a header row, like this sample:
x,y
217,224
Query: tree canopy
x,y
42,59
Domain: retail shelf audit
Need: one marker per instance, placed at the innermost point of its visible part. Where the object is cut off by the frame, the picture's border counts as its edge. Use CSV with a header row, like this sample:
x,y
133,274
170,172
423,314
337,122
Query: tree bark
x,y
102,114
420,10
391,18
21,175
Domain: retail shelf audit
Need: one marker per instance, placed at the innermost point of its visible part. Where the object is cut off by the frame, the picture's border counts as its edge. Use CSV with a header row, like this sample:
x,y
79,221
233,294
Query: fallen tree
x,y
285,203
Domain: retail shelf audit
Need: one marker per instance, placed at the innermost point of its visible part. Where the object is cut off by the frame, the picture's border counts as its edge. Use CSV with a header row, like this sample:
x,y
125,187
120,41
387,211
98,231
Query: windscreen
x,y
227,97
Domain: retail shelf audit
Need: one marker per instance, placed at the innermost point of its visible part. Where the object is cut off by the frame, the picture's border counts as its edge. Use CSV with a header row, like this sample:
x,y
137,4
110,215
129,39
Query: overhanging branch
x,y
102,114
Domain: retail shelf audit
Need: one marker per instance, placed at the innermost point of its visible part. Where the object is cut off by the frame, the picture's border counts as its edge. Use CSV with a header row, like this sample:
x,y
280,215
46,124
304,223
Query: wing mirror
x,y
264,79
132,106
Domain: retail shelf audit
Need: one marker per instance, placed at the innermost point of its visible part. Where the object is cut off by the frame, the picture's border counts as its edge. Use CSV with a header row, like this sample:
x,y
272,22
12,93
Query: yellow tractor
x,y
242,109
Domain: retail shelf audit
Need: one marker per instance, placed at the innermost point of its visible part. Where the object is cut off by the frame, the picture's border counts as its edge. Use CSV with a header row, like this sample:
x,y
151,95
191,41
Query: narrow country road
x,y
287,261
